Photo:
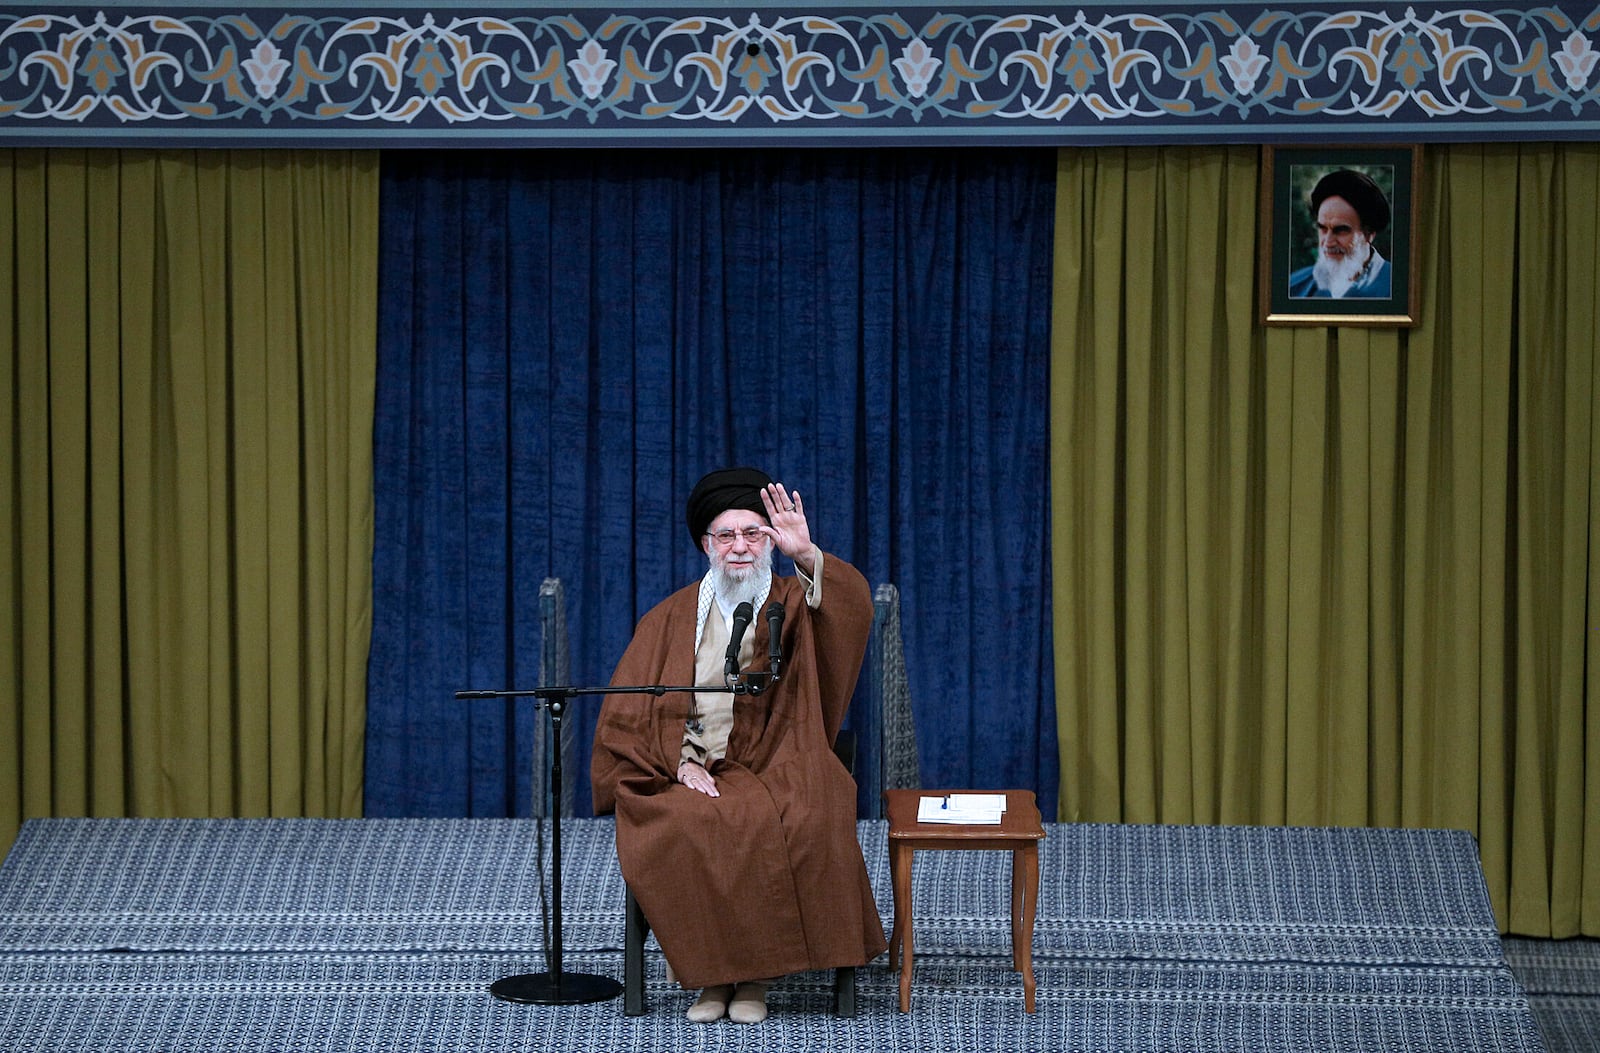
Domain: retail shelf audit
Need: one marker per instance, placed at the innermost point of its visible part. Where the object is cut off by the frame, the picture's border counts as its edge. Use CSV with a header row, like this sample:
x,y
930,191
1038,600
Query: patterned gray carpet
x,y
1562,978
300,935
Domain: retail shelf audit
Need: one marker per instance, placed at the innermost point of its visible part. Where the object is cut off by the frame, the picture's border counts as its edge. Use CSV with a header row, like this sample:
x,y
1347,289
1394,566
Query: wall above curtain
x,y
598,73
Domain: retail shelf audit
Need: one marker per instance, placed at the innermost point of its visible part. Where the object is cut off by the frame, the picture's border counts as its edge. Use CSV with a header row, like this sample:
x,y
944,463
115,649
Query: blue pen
x,y
946,804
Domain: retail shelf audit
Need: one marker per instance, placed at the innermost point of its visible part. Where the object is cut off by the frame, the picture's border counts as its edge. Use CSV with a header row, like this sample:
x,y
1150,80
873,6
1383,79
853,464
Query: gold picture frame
x,y
1313,270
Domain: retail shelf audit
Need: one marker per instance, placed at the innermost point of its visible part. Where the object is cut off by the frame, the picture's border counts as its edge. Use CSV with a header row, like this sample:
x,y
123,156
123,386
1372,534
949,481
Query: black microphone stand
x,y
559,987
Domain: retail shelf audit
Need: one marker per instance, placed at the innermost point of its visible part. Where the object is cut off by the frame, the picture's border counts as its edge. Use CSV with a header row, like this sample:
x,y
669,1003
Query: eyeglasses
x,y
752,535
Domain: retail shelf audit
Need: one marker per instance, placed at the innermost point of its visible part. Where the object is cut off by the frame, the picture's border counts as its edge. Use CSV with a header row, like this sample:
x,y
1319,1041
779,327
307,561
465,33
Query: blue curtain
x,y
568,339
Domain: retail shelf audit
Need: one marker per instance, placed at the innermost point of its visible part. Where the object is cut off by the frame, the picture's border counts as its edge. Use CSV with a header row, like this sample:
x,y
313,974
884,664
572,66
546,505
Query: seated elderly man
x,y
735,820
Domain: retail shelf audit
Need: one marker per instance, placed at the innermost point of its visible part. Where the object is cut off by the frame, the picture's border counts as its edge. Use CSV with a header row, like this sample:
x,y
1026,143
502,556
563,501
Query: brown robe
x,y
768,878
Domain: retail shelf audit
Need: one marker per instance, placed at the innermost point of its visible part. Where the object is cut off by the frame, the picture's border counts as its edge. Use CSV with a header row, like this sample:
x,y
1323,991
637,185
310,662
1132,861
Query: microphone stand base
x,y
555,988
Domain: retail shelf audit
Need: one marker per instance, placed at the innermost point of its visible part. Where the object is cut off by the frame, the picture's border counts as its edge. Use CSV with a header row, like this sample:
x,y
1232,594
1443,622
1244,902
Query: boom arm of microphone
x,y
775,638
743,615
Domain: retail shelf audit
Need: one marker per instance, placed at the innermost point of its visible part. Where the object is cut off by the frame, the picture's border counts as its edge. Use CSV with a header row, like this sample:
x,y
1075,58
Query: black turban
x,y
721,490
1358,189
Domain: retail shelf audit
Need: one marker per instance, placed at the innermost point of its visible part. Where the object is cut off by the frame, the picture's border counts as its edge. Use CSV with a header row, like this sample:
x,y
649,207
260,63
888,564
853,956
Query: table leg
x,y
894,887
900,942
1018,879
1030,905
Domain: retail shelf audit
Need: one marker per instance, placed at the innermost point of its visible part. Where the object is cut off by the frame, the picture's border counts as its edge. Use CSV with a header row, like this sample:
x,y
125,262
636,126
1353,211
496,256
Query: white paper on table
x,y
964,809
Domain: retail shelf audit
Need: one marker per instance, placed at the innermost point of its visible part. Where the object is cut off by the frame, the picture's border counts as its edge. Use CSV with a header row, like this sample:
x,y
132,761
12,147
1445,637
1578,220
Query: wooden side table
x,y
1019,833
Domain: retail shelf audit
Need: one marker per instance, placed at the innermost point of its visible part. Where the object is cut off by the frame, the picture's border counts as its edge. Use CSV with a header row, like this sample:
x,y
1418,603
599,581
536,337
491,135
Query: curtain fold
x,y
569,339
1334,576
186,438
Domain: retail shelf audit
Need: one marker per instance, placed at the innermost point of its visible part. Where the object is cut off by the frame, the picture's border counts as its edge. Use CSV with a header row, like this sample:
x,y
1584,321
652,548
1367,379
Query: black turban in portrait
x,y
1358,189
721,490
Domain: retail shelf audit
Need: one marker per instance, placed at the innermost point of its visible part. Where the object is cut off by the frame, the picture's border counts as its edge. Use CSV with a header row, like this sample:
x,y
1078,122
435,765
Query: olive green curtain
x,y
1334,575
185,441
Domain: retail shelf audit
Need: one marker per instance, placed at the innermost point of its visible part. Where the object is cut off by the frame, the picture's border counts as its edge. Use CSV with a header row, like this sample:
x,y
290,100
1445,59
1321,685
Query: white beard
x,y
736,586
1335,276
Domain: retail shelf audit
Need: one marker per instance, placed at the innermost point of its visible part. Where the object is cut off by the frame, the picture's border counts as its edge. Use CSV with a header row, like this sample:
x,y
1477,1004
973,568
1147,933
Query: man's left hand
x,y
789,530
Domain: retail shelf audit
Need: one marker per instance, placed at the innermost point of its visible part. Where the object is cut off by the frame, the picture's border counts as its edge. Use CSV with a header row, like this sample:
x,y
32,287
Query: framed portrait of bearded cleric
x,y
1339,235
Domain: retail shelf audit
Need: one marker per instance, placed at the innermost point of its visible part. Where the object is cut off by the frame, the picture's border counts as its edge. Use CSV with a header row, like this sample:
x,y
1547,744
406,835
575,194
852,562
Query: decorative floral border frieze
x,y
120,74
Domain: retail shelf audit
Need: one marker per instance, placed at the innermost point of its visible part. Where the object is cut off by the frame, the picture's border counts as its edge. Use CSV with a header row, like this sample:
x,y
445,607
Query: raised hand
x,y
789,530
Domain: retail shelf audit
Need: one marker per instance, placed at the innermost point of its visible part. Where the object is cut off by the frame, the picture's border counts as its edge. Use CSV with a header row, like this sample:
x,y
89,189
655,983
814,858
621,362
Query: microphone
x,y
774,642
743,615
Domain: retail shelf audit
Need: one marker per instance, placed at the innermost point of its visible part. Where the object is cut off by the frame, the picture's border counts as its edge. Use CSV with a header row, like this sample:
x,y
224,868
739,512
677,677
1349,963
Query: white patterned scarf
x,y
708,597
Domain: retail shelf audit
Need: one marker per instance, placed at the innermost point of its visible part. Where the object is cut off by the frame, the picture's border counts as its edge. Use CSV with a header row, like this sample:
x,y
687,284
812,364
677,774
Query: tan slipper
x,y
712,1003
749,1005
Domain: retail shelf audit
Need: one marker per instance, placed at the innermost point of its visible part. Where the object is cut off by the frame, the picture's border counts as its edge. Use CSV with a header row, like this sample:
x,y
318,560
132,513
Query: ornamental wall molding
x,y
424,74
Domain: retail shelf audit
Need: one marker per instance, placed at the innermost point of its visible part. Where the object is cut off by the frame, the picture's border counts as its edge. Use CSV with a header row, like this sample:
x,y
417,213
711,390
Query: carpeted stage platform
x,y
383,935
